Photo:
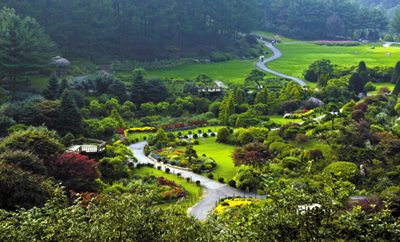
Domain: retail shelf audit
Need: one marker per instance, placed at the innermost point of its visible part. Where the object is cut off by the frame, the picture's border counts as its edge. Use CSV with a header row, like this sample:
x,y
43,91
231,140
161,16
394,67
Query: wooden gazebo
x,y
61,65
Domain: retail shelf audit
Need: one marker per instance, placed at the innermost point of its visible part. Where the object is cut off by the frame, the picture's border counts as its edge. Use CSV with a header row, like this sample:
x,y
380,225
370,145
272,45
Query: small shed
x,y
61,65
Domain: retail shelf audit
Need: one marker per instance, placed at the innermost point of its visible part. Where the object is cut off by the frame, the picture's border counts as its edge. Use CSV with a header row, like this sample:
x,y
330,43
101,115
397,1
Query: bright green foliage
x,y
293,91
323,80
161,136
21,188
227,108
396,38
396,73
110,125
114,115
119,150
39,143
69,119
214,108
291,163
223,134
262,97
148,108
95,107
245,137
388,38
346,170
238,97
112,104
258,133
255,75
349,106
245,178
113,168
246,120
24,160
51,92
369,87
93,128
273,105
25,50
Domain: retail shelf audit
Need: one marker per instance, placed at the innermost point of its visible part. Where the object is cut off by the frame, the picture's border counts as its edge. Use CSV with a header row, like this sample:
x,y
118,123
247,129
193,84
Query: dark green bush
x,y
291,162
167,170
232,183
205,135
198,183
196,142
188,179
221,179
210,176
158,167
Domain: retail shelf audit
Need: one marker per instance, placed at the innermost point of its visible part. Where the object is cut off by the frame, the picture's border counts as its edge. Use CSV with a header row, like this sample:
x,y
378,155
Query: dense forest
x,y
387,6
148,30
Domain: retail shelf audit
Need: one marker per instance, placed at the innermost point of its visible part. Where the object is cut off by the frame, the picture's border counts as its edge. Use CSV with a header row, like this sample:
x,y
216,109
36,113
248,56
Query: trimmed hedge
x,y
346,170
337,43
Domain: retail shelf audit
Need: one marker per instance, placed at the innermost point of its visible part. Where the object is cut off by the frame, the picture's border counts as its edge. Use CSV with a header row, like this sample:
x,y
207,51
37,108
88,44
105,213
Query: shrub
x,y
196,142
369,87
198,183
301,138
212,134
290,162
336,43
209,130
210,176
195,136
144,137
221,179
205,135
173,163
188,179
346,170
223,134
178,174
167,170
232,183
158,167
185,136
217,57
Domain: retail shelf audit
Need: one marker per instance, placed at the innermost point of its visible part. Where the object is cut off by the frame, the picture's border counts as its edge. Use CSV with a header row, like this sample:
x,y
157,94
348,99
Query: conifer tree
x,y
138,88
272,103
61,88
69,119
396,73
238,97
262,97
396,89
361,67
118,89
29,114
356,84
51,90
78,98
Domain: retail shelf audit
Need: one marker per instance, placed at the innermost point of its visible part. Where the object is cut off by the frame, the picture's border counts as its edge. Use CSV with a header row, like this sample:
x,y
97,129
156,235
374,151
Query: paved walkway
x,y
276,54
215,190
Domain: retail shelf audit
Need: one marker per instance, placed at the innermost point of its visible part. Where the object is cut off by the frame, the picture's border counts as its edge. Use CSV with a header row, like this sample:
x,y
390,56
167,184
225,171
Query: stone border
x,y
168,165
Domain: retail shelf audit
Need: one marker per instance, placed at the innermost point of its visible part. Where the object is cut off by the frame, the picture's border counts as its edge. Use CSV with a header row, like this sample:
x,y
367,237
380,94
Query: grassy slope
x,y
272,36
220,153
191,187
297,57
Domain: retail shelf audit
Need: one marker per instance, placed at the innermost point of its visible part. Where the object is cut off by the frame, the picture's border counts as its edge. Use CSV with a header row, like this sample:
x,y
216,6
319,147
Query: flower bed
x,y
337,43
302,115
169,190
227,204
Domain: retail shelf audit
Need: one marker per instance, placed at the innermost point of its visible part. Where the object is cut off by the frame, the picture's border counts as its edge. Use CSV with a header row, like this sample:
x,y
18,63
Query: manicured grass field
x,y
233,71
280,120
221,153
395,45
191,187
297,57
273,36
382,84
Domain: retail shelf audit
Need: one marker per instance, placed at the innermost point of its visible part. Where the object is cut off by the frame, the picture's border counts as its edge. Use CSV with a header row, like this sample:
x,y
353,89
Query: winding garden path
x,y
276,54
215,190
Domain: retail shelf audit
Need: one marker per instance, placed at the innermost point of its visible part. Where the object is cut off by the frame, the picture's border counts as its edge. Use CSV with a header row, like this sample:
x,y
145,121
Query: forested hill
x,y
146,30
388,6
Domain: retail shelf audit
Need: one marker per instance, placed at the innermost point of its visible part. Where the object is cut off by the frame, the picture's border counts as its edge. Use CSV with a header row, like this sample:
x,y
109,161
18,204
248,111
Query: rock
x,y
207,61
287,115
363,171
364,53
250,57
361,95
196,60
244,58
315,101
345,46
262,52
387,54
356,53
372,47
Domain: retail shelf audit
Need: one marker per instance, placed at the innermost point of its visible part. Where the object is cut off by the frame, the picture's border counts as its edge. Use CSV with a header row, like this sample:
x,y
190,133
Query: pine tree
x,y
262,97
138,87
230,109
396,89
118,89
396,73
50,92
356,84
323,80
222,107
69,119
238,97
61,88
78,98
29,114
272,103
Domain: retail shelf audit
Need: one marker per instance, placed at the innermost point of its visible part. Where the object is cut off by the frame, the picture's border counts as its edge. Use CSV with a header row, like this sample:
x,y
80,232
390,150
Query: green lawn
x,y
272,36
233,71
382,84
395,45
221,153
191,187
280,120
297,57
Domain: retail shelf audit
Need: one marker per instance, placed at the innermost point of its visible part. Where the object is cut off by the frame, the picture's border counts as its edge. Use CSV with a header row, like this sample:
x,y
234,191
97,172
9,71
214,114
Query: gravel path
x,y
215,190
80,78
276,54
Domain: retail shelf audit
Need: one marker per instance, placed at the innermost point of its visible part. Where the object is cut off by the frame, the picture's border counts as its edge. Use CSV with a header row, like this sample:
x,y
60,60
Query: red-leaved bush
x,y
77,172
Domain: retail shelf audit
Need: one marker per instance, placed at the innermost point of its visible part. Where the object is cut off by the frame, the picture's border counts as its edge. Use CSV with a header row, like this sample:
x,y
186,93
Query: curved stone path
x,y
215,190
276,54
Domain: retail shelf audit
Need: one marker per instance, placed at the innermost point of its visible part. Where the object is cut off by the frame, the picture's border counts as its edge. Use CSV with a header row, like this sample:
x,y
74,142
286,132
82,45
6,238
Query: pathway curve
x,y
215,190
276,54
388,44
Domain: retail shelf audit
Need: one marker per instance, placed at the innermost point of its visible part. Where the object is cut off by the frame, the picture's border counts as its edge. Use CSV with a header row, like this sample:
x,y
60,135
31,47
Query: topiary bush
x,y
221,179
195,136
346,170
212,134
198,183
205,135
290,162
232,183
188,179
167,170
196,142
210,176
158,167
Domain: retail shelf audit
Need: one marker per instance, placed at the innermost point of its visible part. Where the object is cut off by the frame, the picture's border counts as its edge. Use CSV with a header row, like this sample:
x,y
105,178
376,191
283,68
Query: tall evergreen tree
x,y
50,92
78,98
361,67
29,114
69,119
356,84
396,89
117,89
61,88
262,97
114,115
138,90
272,103
238,97
230,108
396,73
